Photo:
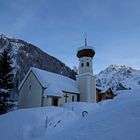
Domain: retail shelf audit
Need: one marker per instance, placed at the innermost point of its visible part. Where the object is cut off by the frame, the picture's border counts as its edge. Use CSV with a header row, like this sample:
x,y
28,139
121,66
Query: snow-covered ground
x,y
117,119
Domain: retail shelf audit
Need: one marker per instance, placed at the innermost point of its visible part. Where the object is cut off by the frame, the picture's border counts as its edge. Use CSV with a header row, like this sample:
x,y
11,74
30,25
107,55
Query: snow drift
x,y
115,119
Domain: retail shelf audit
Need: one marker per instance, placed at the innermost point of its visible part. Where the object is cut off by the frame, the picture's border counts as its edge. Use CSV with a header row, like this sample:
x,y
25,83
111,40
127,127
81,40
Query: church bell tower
x,y
85,78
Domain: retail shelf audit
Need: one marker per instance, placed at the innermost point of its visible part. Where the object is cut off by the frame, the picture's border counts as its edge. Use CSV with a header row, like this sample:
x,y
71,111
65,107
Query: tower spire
x,y
85,39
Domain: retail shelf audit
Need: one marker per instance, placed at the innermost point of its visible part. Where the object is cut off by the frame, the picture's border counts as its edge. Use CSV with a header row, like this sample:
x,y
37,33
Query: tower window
x,y
82,65
88,64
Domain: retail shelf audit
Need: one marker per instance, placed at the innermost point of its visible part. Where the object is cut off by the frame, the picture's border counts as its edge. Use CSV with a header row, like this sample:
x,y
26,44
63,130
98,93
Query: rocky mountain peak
x,y
119,77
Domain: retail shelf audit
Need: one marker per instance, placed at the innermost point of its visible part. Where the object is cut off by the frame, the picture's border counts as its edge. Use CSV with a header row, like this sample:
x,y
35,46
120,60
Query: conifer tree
x,y
6,81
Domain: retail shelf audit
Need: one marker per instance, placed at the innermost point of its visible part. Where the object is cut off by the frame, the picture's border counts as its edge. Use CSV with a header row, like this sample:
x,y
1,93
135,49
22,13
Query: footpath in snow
x,y
115,119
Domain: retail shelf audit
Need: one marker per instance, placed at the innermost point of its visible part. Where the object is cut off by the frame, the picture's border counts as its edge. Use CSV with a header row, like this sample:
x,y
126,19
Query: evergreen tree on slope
x,y
6,81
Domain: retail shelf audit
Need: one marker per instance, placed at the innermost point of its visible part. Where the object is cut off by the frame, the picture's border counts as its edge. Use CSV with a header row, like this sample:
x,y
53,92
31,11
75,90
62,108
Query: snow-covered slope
x,y
115,119
119,77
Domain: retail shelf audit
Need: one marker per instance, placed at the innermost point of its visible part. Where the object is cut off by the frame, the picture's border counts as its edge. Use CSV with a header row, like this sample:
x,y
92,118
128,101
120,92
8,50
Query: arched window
x,y
82,65
30,87
88,64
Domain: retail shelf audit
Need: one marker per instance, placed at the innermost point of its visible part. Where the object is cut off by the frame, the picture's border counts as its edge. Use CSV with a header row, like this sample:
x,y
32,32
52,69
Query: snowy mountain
x,y
119,77
116,119
26,55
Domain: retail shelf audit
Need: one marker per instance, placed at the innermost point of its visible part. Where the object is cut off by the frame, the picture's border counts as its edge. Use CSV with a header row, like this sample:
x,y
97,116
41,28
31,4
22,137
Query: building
x,y
85,78
104,93
43,88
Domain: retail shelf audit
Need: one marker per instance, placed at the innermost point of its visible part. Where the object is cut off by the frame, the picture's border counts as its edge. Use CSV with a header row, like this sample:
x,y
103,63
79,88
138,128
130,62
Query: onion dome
x,y
85,51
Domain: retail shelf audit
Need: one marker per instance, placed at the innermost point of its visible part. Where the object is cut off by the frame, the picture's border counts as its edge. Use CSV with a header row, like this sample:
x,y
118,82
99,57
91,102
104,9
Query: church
x,y
42,88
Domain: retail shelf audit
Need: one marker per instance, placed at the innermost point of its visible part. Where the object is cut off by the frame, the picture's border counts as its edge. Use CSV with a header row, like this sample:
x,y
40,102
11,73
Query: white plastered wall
x,y
86,85
85,68
30,94
47,100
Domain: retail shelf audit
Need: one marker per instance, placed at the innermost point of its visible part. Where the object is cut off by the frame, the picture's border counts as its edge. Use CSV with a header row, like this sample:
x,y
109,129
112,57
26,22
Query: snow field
x,y
115,119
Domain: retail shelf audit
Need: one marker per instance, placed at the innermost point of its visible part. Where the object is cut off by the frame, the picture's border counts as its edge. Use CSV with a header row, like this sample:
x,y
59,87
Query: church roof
x,y
53,83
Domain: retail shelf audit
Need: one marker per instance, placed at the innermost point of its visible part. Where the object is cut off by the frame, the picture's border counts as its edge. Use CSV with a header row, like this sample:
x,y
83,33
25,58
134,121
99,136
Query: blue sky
x,y
58,27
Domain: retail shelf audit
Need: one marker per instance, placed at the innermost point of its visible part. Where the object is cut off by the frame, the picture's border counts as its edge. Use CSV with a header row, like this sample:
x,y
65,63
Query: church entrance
x,y
55,101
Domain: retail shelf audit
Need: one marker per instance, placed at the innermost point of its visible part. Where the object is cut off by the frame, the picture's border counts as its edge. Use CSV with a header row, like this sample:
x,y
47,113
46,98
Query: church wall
x,y
61,101
92,90
30,95
85,68
47,101
69,98
86,85
82,88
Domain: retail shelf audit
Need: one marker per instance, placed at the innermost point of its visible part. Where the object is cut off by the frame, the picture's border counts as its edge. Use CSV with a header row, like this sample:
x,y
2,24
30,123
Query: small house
x,y
104,93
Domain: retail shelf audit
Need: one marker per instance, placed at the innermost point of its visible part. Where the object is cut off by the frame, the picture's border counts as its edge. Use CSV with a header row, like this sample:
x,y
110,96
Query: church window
x,y
66,97
30,87
82,65
88,64
72,98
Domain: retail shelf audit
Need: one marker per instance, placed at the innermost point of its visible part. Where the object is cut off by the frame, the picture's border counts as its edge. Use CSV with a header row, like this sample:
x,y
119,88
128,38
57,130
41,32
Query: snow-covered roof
x,y
53,83
100,88
53,90
103,89
85,47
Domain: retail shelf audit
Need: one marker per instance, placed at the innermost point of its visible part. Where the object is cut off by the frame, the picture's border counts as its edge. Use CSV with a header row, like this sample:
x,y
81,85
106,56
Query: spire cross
x,y
85,39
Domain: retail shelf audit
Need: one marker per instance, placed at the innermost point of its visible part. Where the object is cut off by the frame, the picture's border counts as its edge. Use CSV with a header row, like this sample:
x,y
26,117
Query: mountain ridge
x,y
25,55
119,77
